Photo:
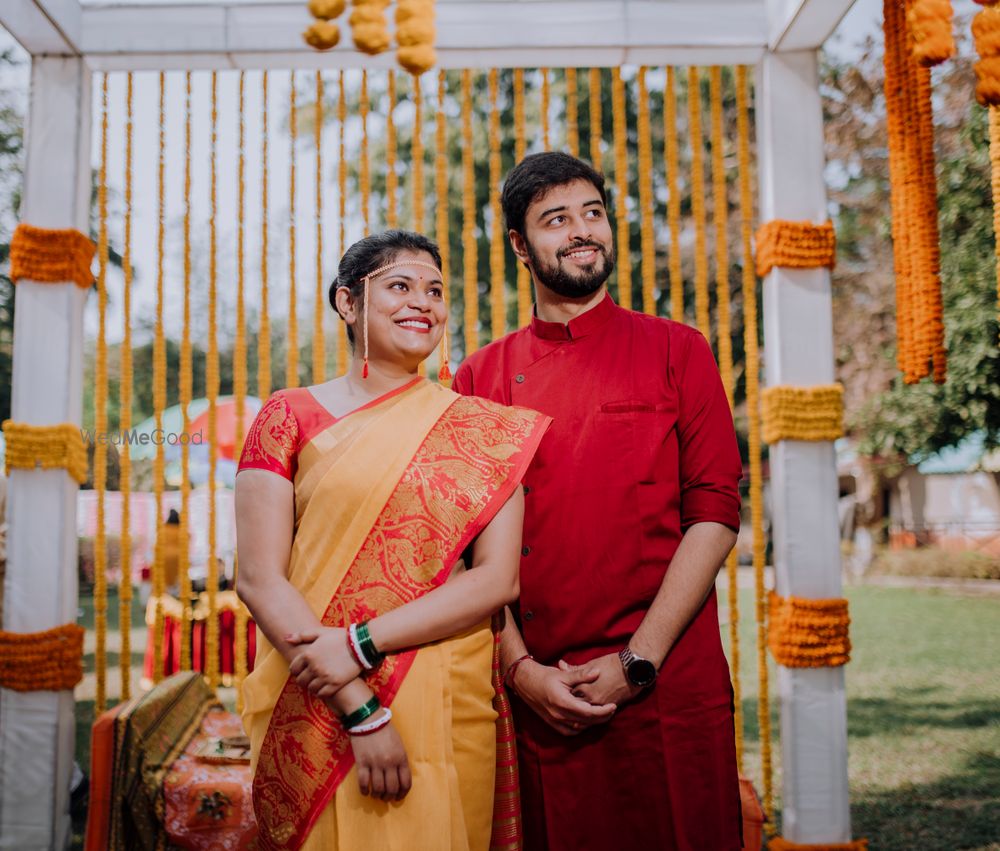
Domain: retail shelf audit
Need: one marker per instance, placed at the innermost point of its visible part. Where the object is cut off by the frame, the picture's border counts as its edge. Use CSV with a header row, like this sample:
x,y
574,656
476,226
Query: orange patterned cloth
x,y
208,806
795,245
51,256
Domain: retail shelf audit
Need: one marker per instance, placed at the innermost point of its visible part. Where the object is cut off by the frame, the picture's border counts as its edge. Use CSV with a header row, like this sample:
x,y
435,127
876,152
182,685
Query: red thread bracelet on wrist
x,y
508,678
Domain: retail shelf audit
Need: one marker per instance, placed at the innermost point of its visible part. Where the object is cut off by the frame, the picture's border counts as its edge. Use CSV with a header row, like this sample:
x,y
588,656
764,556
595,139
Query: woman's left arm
x,y
460,603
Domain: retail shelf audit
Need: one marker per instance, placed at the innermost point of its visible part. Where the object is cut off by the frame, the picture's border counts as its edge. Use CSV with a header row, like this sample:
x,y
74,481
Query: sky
x,y
862,21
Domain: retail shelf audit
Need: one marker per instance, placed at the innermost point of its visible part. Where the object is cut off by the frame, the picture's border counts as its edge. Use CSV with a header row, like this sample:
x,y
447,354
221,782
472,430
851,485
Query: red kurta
x,y
641,447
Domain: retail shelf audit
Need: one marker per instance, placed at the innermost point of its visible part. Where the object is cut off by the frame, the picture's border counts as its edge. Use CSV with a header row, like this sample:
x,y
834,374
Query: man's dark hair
x,y
535,175
371,253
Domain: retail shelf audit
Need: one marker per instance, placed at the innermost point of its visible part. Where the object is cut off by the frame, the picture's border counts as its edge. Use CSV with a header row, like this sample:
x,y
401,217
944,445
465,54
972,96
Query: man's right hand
x,y
549,693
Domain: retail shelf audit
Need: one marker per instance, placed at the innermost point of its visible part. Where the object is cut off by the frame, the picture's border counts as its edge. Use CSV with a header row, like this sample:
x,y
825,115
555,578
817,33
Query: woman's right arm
x,y
265,516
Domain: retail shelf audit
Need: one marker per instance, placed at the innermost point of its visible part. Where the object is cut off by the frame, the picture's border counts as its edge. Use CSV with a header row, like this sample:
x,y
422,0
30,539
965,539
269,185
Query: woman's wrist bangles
x,y
363,649
372,726
508,678
361,714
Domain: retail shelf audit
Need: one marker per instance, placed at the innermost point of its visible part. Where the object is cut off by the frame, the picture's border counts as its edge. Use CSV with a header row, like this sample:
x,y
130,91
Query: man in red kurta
x,y
623,701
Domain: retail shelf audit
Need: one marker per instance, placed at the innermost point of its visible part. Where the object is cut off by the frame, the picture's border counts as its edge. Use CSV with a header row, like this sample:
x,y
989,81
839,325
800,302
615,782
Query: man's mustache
x,y
580,245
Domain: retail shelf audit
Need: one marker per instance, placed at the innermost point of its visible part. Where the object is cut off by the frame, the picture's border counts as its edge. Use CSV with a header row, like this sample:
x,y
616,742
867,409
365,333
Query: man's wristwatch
x,y
638,671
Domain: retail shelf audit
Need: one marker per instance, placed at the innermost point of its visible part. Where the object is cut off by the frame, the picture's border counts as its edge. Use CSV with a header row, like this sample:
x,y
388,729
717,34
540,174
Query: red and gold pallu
x,y
387,499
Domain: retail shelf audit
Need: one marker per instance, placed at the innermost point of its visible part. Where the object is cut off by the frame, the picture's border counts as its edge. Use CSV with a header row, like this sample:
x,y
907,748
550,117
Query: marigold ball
x,y
322,35
408,9
414,32
417,58
326,10
370,38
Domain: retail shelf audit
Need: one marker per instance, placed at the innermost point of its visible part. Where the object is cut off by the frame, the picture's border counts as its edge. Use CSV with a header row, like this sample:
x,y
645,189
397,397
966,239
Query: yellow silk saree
x,y
386,500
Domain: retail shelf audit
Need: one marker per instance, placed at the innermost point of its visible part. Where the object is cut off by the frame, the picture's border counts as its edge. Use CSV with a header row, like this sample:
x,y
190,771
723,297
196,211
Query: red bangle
x,y
508,678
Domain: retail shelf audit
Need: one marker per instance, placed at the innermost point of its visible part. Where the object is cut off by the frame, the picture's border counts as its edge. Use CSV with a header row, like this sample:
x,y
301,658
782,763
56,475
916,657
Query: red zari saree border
x,y
465,469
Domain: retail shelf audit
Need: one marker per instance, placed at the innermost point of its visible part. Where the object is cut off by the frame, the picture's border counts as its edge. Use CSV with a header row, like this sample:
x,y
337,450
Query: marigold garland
x,y
648,239
720,213
671,156
441,213
391,178
186,381
364,171
701,300
159,379
751,346
342,353
596,119
803,413
42,661
319,304
930,31
415,35
620,120
48,256
916,249
369,28
469,244
212,385
778,844
292,346
264,323
240,346
572,114
498,307
995,184
125,412
986,35
808,633
101,420
795,245
53,447
417,156
323,34
524,298
543,110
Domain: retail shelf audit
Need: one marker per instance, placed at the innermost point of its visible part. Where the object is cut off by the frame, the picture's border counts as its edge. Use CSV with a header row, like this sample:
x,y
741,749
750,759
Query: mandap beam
x,y
470,33
36,733
798,331
803,24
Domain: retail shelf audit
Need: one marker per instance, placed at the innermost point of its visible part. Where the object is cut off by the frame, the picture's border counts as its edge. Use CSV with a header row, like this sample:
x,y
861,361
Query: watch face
x,y
641,672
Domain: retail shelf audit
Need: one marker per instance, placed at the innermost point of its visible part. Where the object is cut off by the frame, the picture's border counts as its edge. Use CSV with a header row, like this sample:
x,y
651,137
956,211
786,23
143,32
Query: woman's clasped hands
x,y
324,663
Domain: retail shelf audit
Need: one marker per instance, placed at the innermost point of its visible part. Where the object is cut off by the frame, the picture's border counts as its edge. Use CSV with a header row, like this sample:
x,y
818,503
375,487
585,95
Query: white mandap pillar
x,y
798,337
37,728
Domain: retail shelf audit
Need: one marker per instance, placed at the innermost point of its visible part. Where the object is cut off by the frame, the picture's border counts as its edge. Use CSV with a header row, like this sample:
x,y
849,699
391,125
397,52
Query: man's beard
x,y
579,284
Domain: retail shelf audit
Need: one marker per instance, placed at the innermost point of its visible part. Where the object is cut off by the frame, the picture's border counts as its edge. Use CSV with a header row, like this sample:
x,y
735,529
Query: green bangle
x,y
360,714
368,647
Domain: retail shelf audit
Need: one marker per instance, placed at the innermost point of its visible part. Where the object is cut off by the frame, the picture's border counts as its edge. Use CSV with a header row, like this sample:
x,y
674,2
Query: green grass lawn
x,y
923,690
923,708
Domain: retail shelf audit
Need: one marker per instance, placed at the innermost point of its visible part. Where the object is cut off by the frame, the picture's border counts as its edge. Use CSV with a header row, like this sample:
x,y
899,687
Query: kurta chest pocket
x,y
640,433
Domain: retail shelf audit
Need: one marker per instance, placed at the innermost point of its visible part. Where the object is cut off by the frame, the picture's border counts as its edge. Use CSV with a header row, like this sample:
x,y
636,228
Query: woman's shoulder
x,y
272,437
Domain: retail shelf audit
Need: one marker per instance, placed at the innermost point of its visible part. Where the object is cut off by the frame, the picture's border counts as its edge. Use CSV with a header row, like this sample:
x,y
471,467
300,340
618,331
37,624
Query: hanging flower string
x,y
930,23
916,250
369,28
986,35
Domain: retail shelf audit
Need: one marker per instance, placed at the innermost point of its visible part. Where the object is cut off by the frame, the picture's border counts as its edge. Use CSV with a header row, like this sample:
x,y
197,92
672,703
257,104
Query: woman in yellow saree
x,y
375,712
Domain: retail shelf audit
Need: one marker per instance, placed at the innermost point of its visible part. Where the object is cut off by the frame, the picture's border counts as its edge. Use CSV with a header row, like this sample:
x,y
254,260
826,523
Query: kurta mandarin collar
x,y
581,326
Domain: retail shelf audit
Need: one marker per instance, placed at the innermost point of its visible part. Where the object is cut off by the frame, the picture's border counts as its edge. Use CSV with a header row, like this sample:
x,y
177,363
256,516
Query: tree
x,y
888,418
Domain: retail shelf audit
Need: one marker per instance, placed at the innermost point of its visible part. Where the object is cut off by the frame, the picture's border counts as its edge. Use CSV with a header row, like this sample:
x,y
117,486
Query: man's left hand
x,y
610,684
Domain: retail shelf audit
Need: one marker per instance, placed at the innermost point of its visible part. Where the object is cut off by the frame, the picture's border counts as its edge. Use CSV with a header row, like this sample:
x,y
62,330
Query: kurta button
x,y
529,615
527,490
525,550
519,378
